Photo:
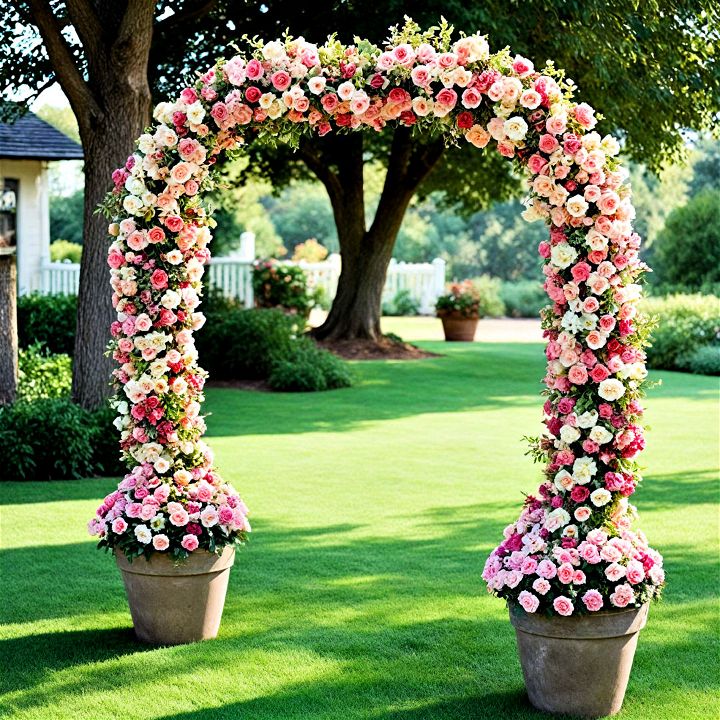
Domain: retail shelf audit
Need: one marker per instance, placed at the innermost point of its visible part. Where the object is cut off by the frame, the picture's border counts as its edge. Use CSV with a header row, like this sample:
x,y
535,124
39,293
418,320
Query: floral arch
x,y
572,549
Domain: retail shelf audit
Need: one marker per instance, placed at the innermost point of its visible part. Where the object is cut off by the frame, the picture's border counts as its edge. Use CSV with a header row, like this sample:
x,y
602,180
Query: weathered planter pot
x,y
578,665
176,603
458,328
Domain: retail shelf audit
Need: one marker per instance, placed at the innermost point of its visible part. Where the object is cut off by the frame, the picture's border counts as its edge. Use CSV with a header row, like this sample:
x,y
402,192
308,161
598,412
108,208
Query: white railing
x,y
425,282
59,278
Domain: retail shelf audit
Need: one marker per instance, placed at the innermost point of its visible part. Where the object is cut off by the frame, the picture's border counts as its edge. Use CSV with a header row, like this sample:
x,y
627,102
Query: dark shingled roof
x,y
30,138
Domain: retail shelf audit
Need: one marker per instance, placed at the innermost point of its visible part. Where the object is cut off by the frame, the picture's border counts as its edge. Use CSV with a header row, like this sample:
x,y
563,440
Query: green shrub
x,y
47,319
687,251
43,374
276,285
491,303
702,361
243,344
523,298
308,368
402,305
105,442
62,250
684,324
47,439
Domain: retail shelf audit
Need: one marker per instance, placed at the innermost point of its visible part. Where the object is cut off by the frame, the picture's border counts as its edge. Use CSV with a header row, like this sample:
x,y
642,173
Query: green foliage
x,y
687,251
684,324
282,286
706,166
47,319
704,360
66,217
43,374
61,250
310,251
265,344
243,344
402,305
523,298
104,439
308,368
491,303
51,440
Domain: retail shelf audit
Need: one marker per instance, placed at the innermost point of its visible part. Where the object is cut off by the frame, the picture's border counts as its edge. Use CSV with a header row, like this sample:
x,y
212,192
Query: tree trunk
x,y
366,254
8,329
106,147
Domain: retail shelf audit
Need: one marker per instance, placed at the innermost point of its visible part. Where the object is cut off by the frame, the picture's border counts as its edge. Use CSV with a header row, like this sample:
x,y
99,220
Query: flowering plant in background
x,y
278,285
572,549
463,299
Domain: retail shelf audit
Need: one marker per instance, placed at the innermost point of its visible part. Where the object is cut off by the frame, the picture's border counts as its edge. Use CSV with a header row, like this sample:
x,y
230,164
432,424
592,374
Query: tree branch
x,y
311,156
192,12
86,24
66,71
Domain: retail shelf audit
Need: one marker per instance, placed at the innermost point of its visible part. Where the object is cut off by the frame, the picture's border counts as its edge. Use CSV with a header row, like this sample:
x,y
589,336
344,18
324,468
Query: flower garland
x,y
572,549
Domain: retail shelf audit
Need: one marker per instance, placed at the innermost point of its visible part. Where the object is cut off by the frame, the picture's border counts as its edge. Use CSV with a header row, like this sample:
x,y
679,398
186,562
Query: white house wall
x,y
33,220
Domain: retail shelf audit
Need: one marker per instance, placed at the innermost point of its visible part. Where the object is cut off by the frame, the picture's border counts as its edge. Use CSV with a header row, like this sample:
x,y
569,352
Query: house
x,y
26,147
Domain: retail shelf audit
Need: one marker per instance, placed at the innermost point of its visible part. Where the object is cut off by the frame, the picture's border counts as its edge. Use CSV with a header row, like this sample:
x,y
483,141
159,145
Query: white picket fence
x,y
425,282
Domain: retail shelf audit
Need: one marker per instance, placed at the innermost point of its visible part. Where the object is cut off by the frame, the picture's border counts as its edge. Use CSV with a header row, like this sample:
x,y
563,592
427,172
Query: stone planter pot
x,y
578,665
458,328
176,603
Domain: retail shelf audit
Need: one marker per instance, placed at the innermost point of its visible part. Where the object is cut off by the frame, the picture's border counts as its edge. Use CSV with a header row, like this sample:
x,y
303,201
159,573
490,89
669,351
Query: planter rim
x,y
200,562
454,315
604,624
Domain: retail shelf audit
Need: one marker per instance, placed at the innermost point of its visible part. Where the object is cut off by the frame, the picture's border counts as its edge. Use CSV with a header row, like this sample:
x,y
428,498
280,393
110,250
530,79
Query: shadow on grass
x,y
673,490
55,651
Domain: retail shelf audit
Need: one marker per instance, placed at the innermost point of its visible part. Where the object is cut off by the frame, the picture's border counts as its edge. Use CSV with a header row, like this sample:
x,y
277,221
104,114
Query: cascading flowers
x,y
572,549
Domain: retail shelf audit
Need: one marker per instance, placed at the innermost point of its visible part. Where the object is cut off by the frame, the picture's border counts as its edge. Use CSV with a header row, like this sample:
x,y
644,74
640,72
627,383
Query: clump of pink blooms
x,y
572,549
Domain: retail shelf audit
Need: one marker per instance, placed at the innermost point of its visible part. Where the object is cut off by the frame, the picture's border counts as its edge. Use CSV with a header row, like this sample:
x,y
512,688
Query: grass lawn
x,y
360,594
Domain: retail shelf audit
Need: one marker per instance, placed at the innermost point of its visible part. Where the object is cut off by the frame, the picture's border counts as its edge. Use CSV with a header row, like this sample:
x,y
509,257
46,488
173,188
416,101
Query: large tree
x,y
650,67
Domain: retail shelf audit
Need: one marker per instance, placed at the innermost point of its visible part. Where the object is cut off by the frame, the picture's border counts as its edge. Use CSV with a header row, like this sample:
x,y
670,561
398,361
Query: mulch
x,y
383,349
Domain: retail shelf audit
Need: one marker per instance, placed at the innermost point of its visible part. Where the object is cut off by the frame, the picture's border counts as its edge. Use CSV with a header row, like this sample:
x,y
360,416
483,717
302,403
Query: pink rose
x,y
585,115
179,518
589,553
159,279
563,606
156,234
634,572
280,80
119,526
580,272
115,259
622,596
578,374
548,143
546,569
565,573
536,163
446,97
161,542
254,69
174,223
528,601
599,373
614,571
329,102
593,600
541,586
189,542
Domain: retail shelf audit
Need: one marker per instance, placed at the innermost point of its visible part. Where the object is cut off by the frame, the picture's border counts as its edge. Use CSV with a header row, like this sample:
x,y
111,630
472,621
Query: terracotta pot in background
x,y
578,665
458,328
175,603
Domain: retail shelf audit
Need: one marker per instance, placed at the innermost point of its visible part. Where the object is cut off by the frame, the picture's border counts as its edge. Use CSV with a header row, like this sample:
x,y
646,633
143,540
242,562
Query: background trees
x,y
649,67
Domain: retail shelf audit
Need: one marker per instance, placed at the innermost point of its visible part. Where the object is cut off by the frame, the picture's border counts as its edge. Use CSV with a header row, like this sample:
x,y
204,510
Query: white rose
x,y
171,299
576,206
143,534
569,434
600,435
163,112
132,204
563,255
161,465
273,50
587,419
556,519
582,513
195,113
345,90
600,497
515,128
174,257
563,480
584,469
611,389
